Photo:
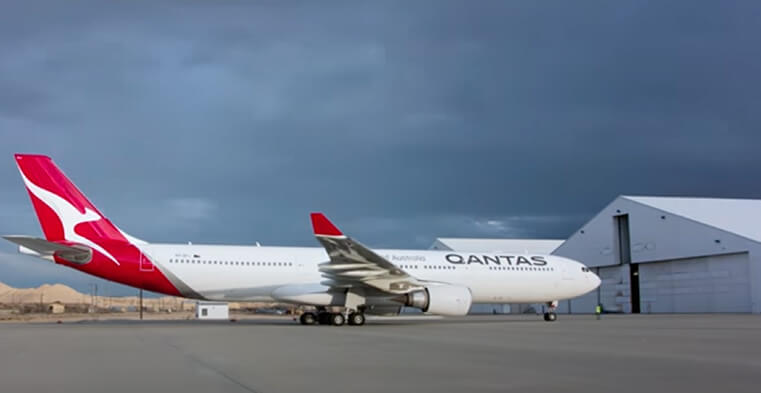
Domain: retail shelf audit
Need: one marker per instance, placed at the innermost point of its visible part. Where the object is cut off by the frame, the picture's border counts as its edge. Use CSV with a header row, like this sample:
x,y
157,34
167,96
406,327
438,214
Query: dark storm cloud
x,y
404,121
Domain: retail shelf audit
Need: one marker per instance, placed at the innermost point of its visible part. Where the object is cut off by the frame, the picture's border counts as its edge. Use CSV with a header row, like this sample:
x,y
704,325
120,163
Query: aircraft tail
x,y
65,214
77,234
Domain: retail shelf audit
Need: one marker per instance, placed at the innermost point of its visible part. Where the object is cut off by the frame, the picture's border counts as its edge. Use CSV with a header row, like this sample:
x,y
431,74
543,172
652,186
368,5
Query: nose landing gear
x,y
550,315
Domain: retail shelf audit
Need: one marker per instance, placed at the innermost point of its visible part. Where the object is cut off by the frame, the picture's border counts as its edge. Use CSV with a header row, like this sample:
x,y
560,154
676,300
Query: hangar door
x,y
708,284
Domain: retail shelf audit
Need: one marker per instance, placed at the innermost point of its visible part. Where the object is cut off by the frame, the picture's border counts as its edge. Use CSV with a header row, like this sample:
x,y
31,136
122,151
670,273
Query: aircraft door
x,y
145,263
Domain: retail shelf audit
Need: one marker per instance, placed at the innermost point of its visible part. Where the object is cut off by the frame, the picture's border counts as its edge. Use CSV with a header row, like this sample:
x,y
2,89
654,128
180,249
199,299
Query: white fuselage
x,y
243,273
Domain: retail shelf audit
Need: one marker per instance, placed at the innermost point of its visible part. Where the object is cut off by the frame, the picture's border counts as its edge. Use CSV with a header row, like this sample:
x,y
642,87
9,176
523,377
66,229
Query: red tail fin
x,y
66,217
64,212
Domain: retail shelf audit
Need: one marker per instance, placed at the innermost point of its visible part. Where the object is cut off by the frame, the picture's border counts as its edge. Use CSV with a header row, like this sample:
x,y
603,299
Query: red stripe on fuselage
x,y
129,271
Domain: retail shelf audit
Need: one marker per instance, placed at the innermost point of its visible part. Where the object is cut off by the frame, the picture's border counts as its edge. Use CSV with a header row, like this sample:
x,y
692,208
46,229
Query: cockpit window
x,y
585,269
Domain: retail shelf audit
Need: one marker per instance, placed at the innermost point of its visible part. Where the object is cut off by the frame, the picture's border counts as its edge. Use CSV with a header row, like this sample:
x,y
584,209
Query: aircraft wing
x,y
354,265
43,248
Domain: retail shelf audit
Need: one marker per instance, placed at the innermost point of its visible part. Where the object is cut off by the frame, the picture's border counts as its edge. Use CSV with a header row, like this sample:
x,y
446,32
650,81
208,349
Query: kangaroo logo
x,y
69,216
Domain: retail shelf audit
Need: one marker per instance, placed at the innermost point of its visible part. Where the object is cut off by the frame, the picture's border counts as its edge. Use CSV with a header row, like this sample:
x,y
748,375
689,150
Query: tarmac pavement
x,y
620,353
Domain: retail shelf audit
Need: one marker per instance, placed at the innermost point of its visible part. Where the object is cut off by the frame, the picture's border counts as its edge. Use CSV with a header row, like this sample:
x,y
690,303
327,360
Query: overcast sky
x,y
403,121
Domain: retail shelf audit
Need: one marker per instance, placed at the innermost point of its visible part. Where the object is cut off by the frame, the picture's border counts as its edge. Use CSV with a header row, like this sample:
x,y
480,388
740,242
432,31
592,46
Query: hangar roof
x,y
738,216
539,246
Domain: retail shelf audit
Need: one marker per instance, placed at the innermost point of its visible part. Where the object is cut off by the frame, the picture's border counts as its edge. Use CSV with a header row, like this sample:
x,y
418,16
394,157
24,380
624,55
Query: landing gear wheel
x,y
550,315
356,319
337,319
323,318
308,318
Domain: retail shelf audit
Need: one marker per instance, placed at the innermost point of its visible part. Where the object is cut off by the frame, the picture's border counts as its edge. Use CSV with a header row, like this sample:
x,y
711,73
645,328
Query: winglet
x,y
323,227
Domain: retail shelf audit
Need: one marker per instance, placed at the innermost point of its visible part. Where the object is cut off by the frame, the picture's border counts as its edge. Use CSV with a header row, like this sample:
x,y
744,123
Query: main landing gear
x,y
332,318
357,318
550,315
352,312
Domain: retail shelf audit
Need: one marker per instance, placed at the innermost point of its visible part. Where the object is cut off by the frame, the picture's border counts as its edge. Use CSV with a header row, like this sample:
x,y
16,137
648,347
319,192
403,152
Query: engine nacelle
x,y
441,299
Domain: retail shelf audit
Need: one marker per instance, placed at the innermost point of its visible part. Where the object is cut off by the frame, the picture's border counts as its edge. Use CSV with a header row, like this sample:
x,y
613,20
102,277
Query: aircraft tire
x,y
356,319
323,318
308,318
337,319
550,317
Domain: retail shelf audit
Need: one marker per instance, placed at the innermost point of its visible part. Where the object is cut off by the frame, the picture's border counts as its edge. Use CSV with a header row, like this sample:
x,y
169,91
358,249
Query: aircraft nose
x,y
594,280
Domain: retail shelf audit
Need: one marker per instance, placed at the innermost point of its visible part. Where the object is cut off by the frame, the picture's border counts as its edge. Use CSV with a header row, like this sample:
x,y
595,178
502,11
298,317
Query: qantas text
x,y
496,259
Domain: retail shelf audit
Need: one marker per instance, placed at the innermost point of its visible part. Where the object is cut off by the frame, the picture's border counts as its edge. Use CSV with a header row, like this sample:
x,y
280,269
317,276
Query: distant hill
x,y
48,293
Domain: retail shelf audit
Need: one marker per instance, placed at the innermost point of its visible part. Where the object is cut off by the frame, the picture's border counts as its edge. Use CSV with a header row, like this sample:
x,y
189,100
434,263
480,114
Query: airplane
x,y
343,280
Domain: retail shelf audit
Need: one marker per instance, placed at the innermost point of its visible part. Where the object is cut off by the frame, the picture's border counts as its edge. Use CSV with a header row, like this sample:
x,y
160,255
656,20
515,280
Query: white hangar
x,y
671,255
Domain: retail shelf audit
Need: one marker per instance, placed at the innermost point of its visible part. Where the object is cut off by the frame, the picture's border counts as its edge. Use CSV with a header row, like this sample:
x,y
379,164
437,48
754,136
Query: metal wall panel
x,y
708,284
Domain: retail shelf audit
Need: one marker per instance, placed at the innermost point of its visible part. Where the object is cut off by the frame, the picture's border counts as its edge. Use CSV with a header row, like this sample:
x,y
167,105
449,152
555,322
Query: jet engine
x,y
451,300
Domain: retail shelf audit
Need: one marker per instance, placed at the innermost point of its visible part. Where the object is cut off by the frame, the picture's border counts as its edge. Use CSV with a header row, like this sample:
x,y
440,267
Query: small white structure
x,y
212,310
56,308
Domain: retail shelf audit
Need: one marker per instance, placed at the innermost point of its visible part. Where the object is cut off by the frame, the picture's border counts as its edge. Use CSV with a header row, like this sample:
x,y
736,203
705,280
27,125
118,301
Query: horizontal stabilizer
x,y
43,248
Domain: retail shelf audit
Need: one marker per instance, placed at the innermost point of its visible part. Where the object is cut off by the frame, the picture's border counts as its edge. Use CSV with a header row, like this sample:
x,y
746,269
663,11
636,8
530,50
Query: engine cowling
x,y
451,300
